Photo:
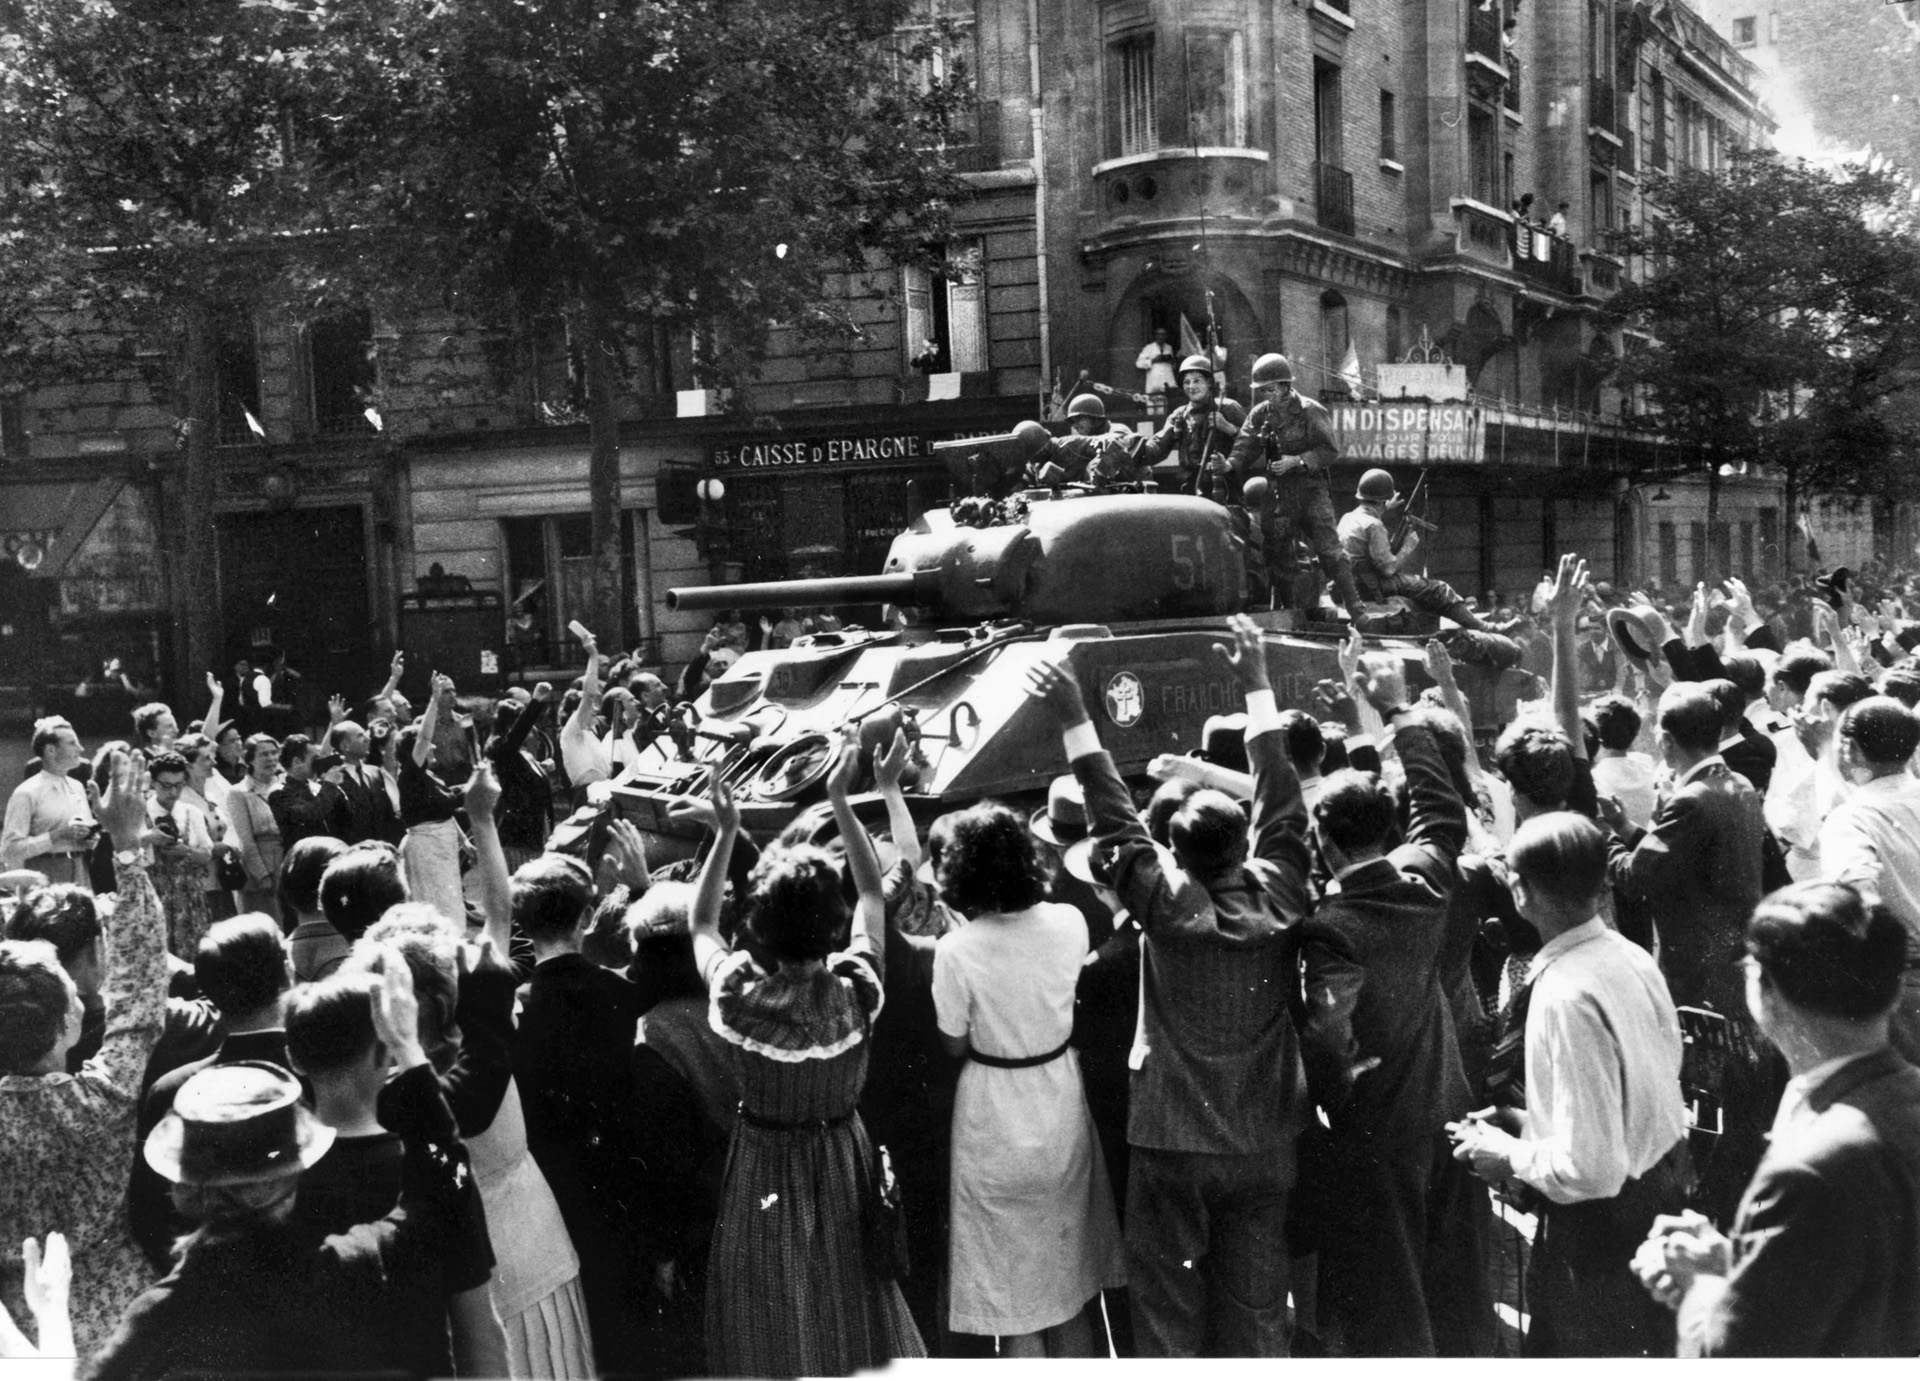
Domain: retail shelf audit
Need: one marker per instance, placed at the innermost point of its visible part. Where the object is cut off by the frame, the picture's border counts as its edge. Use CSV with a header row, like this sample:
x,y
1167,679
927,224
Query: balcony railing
x,y
1546,258
1483,33
1333,197
1604,274
1602,108
1482,235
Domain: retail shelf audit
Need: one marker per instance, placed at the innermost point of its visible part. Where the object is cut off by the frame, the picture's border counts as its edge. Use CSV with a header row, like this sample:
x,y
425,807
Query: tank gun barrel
x,y
901,587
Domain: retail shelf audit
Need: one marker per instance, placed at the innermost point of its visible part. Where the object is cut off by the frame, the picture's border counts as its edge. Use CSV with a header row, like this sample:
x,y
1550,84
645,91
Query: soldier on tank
x,y
1200,433
1095,451
1289,439
1379,570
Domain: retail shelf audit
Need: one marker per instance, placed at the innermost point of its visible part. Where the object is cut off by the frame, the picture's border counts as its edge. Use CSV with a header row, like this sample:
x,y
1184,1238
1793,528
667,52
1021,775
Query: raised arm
x,y
1440,667
888,767
709,947
496,885
1278,830
136,981
1563,609
217,696
870,916
429,721
395,669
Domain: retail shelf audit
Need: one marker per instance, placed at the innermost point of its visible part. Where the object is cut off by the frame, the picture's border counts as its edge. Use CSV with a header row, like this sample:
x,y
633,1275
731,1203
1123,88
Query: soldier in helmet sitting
x,y
1095,451
1200,433
1290,439
1379,570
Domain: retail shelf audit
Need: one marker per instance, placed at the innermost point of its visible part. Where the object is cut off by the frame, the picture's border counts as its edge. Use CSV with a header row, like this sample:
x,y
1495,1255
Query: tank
x,y
1131,590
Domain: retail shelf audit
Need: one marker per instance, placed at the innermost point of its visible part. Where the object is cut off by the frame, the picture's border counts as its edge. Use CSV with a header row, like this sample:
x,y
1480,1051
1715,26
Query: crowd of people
x,y
360,1052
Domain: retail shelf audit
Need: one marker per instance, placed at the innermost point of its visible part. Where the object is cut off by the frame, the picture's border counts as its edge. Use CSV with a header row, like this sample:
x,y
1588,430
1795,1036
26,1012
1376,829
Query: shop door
x,y
298,581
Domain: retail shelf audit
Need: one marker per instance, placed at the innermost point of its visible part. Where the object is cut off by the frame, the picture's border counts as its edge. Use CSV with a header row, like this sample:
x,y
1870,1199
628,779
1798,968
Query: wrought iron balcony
x,y
1546,258
1333,197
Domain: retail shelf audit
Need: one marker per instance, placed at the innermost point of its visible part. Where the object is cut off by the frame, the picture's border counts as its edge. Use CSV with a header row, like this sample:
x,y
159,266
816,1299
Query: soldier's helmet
x,y
1195,364
1376,486
1272,369
1086,405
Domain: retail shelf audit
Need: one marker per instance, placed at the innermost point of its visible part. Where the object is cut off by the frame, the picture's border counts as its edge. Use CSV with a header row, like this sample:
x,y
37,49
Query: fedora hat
x,y
237,1124
1636,634
1090,860
1223,741
1064,821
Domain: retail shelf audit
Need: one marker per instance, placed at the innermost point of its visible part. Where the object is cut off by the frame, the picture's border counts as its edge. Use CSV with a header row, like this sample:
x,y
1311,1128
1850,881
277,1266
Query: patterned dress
x,y
789,1292
67,1140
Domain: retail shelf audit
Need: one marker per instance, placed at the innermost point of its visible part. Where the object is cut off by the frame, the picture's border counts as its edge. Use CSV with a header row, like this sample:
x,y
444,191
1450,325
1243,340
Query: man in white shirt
x,y
49,823
1871,841
1601,1138
582,755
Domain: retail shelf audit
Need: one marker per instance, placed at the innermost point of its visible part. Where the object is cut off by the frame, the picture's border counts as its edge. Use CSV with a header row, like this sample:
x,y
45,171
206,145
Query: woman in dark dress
x,y
526,796
431,850
791,1291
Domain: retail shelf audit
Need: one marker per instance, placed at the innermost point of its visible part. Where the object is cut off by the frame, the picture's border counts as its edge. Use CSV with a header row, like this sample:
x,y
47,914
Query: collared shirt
x,y
1800,795
1364,536
1712,760
583,755
38,806
1630,777
1871,842
1793,1100
1603,1067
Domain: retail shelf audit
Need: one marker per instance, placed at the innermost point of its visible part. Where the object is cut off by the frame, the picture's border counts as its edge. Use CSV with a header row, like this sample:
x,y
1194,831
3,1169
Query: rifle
x,y
1407,519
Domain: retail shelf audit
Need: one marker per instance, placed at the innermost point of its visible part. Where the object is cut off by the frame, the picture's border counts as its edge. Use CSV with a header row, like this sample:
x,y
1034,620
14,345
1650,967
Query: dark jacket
x,y
525,813
1190,437
1223,1074
1298,427
289,1299
1826,1247
1698,869
1371,957
370,812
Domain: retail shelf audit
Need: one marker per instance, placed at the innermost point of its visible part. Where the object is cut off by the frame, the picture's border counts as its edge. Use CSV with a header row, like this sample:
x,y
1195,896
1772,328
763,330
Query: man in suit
x,y
1746,751
1218,1094
370,813
572,1055
1698,866
1698,871
1824,1259
1381,1054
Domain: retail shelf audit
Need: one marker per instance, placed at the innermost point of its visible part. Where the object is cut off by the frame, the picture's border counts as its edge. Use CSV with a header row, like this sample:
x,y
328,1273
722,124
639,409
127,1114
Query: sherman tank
x,y
1130,589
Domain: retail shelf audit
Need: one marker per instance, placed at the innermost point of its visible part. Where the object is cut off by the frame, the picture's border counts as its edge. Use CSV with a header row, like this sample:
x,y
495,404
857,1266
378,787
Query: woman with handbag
x,y
801,1275
255,830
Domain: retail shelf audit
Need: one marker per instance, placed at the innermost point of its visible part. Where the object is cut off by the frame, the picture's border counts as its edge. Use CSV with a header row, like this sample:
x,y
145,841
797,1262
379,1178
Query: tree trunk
x,y
1790,541
196,595
603,484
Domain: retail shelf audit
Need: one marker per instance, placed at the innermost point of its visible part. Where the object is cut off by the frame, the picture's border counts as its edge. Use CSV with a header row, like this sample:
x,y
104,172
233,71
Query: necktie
x,y
1507,1065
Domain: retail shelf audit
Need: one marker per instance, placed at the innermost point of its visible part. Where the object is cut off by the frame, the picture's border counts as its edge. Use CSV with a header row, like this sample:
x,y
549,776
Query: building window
x,y
1506,181
1483,155
946,312
1389,128
1600,38
1216,90
559,374
1133,84
1669,555
1396,335
340,374
549,565
1745,31
1328,146
1600,210
13,425
933,46
237,382
1335,336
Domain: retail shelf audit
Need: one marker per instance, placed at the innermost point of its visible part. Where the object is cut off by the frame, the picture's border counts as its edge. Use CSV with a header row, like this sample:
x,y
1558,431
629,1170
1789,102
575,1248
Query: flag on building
x,y
1350,370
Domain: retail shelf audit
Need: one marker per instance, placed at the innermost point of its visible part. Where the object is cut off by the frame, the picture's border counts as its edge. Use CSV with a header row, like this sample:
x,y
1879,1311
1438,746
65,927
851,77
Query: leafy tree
x,y
1783,301
655,169
163,173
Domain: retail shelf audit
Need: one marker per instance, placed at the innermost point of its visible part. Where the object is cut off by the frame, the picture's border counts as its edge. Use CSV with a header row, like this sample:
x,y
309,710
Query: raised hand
x,y
1383,681
49,1278
1569,590
726,814
543,692
1053,684
891,765
1247,658
1351,651
1335,701
122,812
398,666
628,850
482,791
336,708
845,773
213,685
396,1011
1440,663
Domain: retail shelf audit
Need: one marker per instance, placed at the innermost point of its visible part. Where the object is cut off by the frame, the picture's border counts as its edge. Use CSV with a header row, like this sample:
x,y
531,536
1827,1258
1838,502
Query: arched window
x,y
1335,336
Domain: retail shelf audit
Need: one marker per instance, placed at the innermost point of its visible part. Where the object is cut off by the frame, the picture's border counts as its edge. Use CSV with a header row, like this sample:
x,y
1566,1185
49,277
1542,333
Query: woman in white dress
x,y
1033,1235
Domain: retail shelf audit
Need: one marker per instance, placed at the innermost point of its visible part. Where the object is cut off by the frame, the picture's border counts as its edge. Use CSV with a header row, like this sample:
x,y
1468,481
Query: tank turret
x,y
1118,558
